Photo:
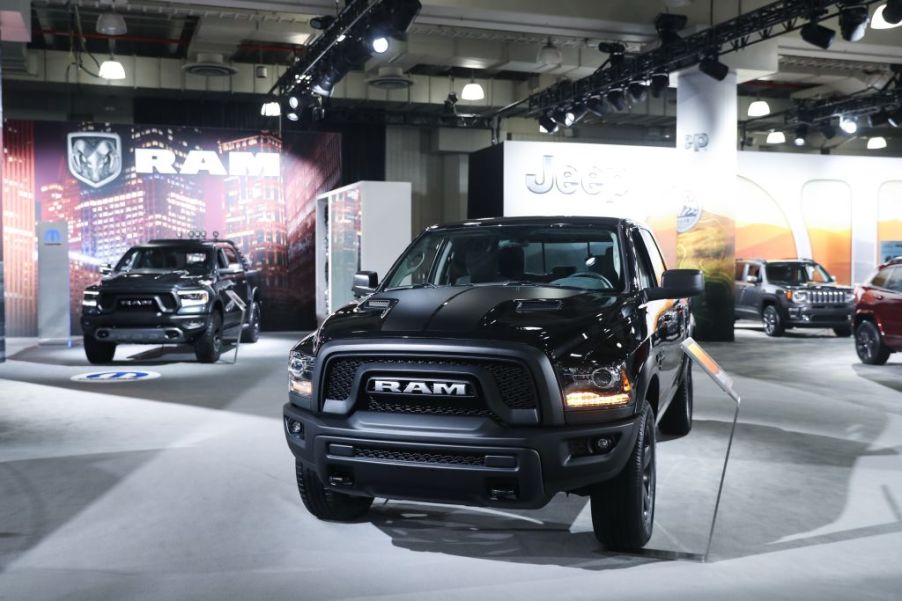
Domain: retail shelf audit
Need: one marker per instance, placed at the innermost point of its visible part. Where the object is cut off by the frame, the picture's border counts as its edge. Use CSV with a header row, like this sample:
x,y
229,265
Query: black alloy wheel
x,y
773,323
251,333
868,344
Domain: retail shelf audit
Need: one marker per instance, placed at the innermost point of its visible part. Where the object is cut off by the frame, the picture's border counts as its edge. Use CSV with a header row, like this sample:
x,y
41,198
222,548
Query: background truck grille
x,y
419,456
824,297
513,380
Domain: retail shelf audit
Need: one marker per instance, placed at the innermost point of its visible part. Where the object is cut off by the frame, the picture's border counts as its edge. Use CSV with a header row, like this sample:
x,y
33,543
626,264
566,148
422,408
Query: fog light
x,y
294,427
603,444
193,325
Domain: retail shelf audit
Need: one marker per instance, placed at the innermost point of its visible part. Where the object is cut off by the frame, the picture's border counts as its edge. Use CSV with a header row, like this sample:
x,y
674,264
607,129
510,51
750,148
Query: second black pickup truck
x,y
172,292
499,363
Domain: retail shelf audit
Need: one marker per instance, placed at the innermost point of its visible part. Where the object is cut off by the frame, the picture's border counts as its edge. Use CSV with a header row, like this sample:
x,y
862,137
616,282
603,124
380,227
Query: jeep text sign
x,y
208,162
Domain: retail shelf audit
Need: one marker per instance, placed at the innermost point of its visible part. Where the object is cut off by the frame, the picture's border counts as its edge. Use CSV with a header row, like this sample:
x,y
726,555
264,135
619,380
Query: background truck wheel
x,y
98,351
677,420
843,332
773,323
869,345
208,347
251,333
327,504
623,509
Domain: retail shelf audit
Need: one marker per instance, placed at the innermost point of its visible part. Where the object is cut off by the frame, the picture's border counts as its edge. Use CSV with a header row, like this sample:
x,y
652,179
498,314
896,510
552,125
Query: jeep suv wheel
x,y
623,509
677,420
773,323
327,504
98,351
869,344
208,347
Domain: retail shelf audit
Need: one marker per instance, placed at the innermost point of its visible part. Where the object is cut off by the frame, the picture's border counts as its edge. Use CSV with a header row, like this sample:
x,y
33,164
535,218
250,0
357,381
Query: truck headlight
x,y
797,296
89,299
300,373
591,387
193,298
850,297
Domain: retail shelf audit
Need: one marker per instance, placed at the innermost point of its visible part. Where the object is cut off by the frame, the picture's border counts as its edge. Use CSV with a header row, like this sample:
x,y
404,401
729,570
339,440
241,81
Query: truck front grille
x,y
418,456
827,297
512,379
470,408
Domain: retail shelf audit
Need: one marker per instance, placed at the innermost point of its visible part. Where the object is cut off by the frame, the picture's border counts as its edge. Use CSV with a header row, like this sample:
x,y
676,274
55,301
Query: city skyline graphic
x,y
260,213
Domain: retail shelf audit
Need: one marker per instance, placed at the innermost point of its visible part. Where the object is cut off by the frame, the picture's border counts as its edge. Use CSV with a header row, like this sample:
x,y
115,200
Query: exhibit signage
x,y
241,164
53,283
106,377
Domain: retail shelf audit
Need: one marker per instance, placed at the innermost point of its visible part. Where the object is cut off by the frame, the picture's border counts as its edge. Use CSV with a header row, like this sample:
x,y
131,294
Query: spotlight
x,y
876,143
759,108
292,116
638,91
895,118
853,22
596,106
827,130
801,135
547,125
659,83
575,114
848,125
616,99
776,137
322,23
713,68
270,108
472,91
817,35
379,44
667,25
560,116
294,102
892,12
615,51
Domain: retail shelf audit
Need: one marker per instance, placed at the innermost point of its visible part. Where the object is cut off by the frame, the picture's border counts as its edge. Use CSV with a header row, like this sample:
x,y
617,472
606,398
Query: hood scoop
x,y
538,305
378,304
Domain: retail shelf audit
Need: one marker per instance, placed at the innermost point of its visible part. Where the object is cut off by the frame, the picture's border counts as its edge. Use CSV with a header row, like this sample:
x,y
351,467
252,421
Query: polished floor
x,y
181,487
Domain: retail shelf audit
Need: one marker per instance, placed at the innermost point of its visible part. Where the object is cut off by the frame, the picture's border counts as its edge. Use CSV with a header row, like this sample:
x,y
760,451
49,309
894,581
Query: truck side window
x,y
654,253
740,270
221,260
231,257
646,276
755,271
882,277
894,282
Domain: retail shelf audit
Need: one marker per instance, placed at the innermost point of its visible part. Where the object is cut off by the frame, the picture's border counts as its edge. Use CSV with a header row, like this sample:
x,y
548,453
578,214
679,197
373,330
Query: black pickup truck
x,y
172,292
500,362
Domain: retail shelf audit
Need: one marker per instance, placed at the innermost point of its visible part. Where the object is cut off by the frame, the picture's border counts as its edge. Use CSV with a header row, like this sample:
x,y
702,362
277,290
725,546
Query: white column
x,y
706,147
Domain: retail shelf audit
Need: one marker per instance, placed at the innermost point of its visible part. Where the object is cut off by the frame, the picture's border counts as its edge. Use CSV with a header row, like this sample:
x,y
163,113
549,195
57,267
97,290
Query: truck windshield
x,y
574,257
167,258
797,274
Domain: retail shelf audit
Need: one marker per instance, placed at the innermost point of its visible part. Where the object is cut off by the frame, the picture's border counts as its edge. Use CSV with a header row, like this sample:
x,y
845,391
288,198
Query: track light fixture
x,y
848,125
879,119
853,22
547,125
575,114
270,108
616,52
801,135
596,106
827,130
667,25
895,118
713,68
616,99
817,35
659,83
638,91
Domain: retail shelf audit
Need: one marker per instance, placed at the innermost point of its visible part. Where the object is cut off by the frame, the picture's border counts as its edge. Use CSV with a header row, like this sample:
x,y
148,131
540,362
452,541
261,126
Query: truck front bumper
x,y
144,329
461,460
805,316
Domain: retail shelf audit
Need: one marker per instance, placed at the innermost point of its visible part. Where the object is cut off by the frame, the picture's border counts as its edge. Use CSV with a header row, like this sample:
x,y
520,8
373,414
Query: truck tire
x,y
623,509
98,351
869,344
326,504
251,333
677,420
843,332
208,347
773,323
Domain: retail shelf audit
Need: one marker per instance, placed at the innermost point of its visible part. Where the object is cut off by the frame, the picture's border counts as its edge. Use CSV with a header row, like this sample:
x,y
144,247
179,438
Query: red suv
x,y
878,314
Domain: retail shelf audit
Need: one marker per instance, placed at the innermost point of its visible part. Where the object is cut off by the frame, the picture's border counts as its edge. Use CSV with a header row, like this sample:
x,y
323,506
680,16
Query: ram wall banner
x,y
117,186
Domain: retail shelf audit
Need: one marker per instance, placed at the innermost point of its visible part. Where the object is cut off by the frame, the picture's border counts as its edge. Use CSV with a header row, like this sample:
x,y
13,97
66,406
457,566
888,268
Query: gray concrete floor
x,y
182,487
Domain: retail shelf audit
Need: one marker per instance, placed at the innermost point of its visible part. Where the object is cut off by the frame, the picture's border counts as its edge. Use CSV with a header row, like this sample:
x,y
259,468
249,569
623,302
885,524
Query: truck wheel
x,y
869,345
208,347
327,504
677,420
251,333
843,332
623,510
98,351
773,323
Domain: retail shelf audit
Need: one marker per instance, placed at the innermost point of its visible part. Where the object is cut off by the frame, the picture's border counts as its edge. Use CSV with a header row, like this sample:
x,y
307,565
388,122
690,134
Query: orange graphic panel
x,y
827,212
889,214
762,230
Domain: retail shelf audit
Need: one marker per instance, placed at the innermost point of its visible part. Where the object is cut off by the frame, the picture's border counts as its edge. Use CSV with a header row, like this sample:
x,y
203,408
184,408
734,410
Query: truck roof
x,y
194,242
537,220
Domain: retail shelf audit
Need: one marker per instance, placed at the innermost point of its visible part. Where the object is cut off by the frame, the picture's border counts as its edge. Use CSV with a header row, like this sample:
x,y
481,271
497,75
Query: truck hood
x,y
139,281
556,320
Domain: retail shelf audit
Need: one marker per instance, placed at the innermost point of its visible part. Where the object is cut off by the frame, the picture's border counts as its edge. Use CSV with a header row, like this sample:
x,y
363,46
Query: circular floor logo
x,y
116,376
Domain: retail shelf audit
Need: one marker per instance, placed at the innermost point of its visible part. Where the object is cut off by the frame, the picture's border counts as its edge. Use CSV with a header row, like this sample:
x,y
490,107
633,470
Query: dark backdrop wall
x,y
269,215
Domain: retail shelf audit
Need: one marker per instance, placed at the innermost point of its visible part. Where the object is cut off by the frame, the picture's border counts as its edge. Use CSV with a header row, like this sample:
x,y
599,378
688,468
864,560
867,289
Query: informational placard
x,y
53,282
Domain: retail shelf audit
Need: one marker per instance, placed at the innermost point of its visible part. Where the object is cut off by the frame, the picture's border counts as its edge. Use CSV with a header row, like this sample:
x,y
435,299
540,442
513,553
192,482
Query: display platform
x,y
180,486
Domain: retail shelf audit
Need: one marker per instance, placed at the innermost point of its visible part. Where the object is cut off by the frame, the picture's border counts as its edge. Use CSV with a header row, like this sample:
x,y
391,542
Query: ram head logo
x,y
95,158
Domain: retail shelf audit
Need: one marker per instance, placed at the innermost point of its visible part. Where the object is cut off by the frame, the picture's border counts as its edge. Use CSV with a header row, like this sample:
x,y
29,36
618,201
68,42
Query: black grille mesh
x,y
514,382
434,407
418,456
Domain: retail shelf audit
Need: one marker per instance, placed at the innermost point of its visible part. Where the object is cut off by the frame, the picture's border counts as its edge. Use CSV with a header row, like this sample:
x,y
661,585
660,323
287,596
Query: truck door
x,y
888,306
231,279
753,290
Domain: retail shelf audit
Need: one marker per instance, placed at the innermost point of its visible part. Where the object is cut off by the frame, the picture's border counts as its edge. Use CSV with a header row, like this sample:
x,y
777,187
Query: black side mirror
x,y
678,283
365,283
106,269
752,279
